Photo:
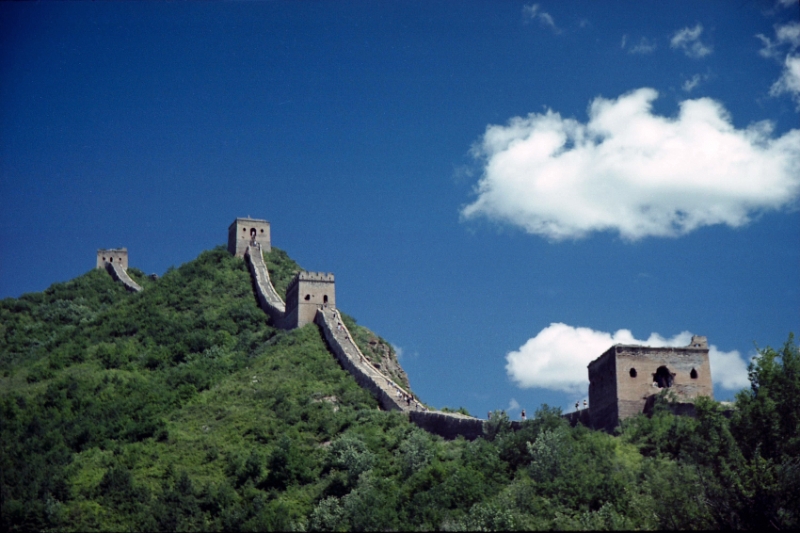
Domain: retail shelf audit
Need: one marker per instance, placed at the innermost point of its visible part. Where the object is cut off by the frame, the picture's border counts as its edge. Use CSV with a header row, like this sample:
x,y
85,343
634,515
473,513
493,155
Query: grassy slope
x,y
185,376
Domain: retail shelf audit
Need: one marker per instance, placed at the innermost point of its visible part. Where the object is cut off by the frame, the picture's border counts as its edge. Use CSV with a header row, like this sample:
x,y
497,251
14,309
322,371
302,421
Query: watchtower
x,y
117,256
306,293
243,231
625,377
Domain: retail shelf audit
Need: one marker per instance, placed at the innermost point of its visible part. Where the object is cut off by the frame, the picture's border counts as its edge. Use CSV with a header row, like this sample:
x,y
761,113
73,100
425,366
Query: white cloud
x,y
557,358
624,41
533,12
787,37
789,82
513,405
398,351
630,171
688,40
690,84
644,46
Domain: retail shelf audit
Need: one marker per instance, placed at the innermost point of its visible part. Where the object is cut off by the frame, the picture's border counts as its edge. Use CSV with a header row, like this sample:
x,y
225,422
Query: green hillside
x,y
181,408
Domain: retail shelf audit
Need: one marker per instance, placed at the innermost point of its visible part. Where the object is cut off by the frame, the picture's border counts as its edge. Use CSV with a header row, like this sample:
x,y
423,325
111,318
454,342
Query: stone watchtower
x,y
116,256
306,293
245,230
625,377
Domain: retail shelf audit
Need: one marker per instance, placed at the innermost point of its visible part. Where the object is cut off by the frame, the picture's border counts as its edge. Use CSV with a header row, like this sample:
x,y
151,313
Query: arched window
x,y
325,299
633,372
693,374
662,377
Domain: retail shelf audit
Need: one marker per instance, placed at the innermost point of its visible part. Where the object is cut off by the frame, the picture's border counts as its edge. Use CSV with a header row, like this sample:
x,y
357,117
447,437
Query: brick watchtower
x,y
306,293
117,256
245,230
625,377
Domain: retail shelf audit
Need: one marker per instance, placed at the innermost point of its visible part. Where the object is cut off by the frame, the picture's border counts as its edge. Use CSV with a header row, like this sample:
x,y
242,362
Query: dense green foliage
x,y
181,408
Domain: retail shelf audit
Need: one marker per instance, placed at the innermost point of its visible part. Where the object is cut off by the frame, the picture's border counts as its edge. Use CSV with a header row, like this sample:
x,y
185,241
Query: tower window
x,y
633,372
662,377
693,374
308,297
325,299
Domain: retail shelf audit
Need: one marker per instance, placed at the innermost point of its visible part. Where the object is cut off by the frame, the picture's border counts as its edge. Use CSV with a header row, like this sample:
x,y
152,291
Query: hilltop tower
x,y
625,379
245,230
306,293
115,256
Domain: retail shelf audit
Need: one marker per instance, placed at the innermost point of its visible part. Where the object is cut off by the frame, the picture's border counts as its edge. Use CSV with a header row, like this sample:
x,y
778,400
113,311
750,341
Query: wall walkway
x,y
121,275
390,394
268,298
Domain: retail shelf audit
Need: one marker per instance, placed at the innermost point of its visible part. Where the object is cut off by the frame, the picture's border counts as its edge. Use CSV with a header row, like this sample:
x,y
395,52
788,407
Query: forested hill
x,y
181,408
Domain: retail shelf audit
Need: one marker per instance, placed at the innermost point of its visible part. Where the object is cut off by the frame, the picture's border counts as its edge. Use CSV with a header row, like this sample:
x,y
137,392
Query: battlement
x,y
243,231
322,277
625,377
116,256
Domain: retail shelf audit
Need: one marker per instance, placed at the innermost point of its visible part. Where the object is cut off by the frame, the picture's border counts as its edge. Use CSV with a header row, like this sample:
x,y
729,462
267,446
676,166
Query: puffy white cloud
x,y
557,358
534,12
688,40
631,171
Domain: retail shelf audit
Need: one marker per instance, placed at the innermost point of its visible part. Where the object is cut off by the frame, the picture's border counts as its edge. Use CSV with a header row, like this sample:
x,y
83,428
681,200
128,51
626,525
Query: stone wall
x,y
579,416
603,391
121,275
341,344
350,357
448,425
268,299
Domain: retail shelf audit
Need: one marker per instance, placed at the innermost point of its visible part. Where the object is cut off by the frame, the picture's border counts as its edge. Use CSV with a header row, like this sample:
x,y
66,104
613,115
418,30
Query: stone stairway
x,y
121,275
268,298
389,394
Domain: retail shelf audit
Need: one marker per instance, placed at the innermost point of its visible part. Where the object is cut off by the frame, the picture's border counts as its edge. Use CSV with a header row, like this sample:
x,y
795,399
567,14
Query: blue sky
x,y
502,189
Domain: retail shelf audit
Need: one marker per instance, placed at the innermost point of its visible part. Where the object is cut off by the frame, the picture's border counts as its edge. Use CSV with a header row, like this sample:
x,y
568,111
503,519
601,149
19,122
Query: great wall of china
x,y
390,395
617,390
